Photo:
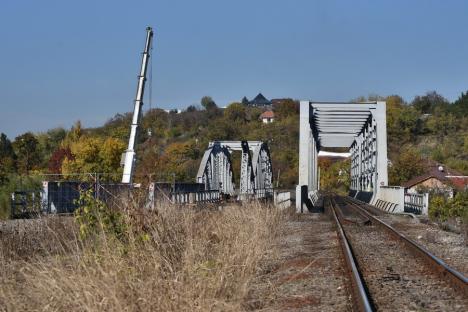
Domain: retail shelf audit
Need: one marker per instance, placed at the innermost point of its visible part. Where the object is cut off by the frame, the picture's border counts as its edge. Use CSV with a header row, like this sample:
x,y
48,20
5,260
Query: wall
x,y
390,197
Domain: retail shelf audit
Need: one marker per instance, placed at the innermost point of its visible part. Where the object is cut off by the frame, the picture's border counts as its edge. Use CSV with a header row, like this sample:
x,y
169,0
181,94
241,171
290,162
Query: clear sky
x,y
62,60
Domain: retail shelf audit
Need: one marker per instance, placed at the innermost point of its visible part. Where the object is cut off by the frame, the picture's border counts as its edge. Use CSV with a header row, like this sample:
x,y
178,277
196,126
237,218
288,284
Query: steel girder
x,y
247,177
263,170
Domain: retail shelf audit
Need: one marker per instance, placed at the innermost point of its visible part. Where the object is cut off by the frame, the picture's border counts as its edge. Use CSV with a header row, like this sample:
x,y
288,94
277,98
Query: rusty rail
x,y
457,279
360,295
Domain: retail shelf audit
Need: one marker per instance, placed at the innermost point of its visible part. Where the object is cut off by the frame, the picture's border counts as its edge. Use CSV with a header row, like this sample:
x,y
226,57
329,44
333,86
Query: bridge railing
x,y
207,196
417,203
257,194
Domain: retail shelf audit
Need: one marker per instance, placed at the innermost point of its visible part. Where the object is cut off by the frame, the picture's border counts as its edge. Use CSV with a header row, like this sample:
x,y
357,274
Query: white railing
x,y
196,197
257,194
417,203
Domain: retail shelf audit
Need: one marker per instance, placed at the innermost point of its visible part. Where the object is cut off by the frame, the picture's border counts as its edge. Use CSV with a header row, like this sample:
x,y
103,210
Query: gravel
x,y
448,246
304,271
396,279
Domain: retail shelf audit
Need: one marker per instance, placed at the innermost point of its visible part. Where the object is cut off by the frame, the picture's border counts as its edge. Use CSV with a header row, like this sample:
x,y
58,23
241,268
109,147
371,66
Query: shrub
x,y
94,217
442,209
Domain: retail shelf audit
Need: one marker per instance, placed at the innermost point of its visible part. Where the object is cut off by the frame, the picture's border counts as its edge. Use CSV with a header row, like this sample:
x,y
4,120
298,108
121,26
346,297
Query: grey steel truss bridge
x,y
216,171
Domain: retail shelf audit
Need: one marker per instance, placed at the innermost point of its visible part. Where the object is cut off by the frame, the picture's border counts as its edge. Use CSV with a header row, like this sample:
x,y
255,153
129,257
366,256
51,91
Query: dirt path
x,y
304,271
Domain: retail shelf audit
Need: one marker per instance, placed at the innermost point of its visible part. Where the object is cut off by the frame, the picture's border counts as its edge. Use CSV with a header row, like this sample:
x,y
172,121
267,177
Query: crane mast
x,y
130,154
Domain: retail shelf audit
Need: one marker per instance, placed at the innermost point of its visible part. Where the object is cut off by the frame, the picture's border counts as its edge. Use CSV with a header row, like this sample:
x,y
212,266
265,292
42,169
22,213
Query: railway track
x,y
388,271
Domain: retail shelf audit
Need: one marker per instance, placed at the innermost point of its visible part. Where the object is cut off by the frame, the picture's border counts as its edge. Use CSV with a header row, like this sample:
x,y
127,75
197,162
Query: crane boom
x,y
130,154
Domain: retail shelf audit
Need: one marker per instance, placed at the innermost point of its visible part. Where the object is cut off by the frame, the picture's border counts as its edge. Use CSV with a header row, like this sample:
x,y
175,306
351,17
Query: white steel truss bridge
x,y
361,127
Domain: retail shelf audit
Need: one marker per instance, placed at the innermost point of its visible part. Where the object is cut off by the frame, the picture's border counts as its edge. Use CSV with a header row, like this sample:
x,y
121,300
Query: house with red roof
x,y
438,178
267,116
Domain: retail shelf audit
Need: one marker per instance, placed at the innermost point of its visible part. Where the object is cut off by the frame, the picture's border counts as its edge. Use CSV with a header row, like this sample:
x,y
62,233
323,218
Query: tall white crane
x,y
130,155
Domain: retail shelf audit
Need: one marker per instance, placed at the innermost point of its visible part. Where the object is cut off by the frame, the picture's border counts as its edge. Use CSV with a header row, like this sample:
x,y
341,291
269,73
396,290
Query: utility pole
x,y
130,155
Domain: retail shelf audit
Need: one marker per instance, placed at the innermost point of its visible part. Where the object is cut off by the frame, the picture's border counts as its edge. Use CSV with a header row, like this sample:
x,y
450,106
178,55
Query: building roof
x,y
260,100
446,175
267,114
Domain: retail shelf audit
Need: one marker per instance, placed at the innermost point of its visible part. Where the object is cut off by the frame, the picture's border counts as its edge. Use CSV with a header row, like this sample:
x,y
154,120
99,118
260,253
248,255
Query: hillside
x,y
172,144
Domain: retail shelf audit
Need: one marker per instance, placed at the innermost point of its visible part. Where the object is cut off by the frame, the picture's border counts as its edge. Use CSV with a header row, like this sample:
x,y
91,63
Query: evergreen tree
x,y
27,151
7,158
245,101
460,106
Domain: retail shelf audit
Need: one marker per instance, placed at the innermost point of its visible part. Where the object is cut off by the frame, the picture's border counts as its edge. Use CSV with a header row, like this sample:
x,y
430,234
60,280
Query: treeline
x,y
170,145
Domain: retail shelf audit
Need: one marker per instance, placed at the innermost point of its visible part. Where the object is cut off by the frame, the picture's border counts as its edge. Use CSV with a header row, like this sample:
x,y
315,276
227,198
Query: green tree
x,y
460,106
286,108
208,103
408,165
49,142
7,158
442,124
427,103
211,109
27,152
235,112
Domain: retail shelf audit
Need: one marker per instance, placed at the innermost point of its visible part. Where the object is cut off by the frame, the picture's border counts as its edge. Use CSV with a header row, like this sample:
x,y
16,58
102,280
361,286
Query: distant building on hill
x,y
438,178
258,101
267,116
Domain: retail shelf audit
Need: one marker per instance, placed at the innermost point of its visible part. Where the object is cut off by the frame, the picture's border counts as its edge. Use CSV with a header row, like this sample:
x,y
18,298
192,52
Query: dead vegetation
x,y
175,260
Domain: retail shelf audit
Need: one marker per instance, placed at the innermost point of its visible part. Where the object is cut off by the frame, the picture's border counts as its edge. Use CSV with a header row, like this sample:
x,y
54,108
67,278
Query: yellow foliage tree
x,y
94,155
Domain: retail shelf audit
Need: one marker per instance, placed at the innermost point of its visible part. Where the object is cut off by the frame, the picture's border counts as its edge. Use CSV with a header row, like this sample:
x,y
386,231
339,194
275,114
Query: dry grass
x,y
187,261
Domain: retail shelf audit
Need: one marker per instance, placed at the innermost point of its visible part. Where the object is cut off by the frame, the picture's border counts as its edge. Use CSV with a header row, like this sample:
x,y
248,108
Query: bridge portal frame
x,y
256,174
359,126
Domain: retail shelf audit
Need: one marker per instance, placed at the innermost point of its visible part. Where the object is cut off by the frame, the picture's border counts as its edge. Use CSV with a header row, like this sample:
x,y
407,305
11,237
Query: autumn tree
x,y
335,175
286,108
49,142
407,165
57,158
94,155
235,112
180,162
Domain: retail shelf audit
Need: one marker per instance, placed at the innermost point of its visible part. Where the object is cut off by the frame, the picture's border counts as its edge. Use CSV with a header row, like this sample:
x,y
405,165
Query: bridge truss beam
x,y
215,170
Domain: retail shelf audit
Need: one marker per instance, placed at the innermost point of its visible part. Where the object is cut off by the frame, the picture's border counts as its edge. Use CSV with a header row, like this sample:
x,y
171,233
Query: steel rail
x,y
456,278
360,295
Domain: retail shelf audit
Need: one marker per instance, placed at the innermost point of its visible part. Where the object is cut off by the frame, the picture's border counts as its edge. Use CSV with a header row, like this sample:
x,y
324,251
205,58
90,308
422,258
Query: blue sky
x,y
61,61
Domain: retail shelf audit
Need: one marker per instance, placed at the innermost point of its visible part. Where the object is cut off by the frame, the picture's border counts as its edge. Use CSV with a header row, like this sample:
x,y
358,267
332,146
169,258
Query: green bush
x,y
94,217
438,208
442,209
13,183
